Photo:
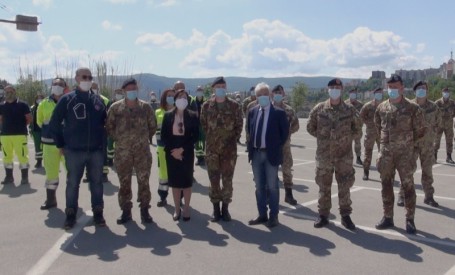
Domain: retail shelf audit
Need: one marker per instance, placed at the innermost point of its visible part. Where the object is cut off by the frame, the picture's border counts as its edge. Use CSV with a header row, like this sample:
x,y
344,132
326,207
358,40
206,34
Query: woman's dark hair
x,y
163,102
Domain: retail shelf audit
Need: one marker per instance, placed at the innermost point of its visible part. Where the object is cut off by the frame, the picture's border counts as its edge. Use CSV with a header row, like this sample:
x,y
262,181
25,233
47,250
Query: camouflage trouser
x,y
368,143
403,161
286,167
447,129
220,166
344,175
358,146
141,161
426,155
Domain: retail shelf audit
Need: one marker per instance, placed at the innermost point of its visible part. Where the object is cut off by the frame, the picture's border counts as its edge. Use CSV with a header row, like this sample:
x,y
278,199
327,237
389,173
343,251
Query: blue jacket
x,y
275,136
77,122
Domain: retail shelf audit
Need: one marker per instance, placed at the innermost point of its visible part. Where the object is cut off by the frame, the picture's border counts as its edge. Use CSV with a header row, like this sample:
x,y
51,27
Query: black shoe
x,y
145,215
70,220
410,226
125,217
51,200
435,157
272,222
347,223
431,202
216,216
258,220
38,163
176,216
162,203
289,198
186,219
366,174
385,223
359,161
24,173
85,180
449,159
225,212
321,221
400,201
98,218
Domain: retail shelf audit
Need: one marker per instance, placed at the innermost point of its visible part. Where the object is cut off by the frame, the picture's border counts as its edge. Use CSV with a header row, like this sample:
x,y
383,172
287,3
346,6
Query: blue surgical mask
x,y
199,94
334,93
170,100
131,95
393,93
277,98
421,93
352,95
220,92
264,100
378,96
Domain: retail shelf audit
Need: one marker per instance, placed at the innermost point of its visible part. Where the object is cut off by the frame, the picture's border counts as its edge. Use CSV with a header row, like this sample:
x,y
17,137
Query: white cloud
x,y
107,25
165,40
420,47
121,1
43,3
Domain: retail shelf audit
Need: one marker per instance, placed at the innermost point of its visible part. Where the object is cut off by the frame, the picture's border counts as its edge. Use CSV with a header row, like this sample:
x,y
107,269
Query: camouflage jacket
x,y
367,116
245,104
222,123
401,125
334,128
131,128
294,125
447,108
433,120
358,106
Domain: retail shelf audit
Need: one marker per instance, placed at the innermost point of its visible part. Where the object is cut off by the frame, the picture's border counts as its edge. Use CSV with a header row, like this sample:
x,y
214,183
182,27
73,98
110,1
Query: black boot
x,y
225,212
430,201
125,217
385,223
347,222
321,221
410,226
216,216
359,161
51,200
38,163
289,198
449,159
366,174
98,218
24,179
163,195
145,216
70,220
9,176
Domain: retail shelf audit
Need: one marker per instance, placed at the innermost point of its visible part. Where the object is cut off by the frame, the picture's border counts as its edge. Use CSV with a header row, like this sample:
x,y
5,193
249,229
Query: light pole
x,y
24,23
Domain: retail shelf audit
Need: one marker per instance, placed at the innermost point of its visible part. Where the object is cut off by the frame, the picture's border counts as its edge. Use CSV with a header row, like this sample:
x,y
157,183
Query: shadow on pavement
x,y
15,191
110,189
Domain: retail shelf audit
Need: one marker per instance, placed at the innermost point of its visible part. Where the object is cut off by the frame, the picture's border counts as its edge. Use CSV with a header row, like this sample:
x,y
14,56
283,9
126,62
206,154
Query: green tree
x,y
27,88
298,97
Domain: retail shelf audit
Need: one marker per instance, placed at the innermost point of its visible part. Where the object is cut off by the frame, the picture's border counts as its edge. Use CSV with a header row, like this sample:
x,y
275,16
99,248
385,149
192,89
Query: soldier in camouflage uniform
x,y
371,134
247,104
425,149
221,119
352,100
401,126
286,167
447,107
131,122
334,124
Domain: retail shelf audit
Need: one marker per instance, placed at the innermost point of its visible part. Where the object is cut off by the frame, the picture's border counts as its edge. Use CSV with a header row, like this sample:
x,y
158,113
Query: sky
x,y
207,38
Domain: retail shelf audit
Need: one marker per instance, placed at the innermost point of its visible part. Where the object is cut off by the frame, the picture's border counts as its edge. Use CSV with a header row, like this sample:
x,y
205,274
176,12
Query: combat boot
x,y
410,226
359,161
225,212
125,217
449,159
216,216
9,176
400,201
38,163
366,174
347,222
104,178
289,198
385,223
24,179
51,200
70,220
430,201
98,218
145,216
321,221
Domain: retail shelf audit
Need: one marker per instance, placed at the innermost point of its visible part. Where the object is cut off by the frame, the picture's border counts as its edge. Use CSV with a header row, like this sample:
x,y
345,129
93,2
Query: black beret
x,y
335,81
445,89
277,88
129,81
420,83
219,80
394,79
378,89
252,88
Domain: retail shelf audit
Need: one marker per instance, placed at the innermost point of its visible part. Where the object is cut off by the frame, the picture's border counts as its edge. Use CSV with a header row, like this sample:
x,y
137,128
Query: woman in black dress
x,y
179,133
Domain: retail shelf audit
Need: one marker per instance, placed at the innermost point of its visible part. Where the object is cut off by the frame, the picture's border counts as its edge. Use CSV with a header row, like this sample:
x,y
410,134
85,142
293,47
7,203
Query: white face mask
x,y
334,93
85,85
181,103
95,91
57,90
119,96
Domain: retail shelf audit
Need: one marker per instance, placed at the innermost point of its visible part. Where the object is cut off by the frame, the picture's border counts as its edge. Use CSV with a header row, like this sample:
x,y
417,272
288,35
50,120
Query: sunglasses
x,y
180,125
87,77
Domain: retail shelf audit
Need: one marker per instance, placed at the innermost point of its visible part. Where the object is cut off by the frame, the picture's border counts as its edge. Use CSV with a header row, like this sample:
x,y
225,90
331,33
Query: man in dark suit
x,y
268,129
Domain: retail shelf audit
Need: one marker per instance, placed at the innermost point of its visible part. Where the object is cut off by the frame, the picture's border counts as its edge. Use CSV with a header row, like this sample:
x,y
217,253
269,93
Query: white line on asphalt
x,y
66,239
451,271
445,175
418,194
434,166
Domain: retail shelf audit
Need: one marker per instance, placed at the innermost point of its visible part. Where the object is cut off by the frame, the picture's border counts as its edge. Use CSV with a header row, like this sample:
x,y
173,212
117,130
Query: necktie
x,y
259,130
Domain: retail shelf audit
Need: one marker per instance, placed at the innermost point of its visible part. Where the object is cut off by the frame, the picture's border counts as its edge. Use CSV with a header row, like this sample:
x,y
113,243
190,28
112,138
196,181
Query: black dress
x,y
180,172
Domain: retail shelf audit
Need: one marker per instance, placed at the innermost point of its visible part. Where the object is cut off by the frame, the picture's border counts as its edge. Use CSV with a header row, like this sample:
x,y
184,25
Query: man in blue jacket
x,y
77,125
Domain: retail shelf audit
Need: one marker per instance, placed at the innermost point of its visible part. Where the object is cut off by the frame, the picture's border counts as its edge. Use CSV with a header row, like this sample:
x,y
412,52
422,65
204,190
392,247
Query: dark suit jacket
x,y
191,124
276,134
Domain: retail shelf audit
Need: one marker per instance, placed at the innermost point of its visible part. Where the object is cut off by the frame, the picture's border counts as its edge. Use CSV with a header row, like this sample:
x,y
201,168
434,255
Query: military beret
x,y
394,79
277,88
219,80
334,82
446,89
252,88
378,89
129,81
420,83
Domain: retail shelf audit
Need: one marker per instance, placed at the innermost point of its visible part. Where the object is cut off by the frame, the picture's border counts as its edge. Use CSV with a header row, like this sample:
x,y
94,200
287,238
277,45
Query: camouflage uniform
x,y
401,126
371,134
447,112
334,128
250,106
245,104
222,123
357,145
132,130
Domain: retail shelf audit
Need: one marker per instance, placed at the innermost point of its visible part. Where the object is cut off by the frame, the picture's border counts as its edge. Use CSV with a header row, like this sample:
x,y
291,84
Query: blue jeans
x,y
267,187
76,162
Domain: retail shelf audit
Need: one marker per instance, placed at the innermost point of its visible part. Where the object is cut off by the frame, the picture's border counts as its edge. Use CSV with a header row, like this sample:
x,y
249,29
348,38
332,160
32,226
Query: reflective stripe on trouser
x,y
18,145
38,145
52,160
162,169
200,144
110,148
286,167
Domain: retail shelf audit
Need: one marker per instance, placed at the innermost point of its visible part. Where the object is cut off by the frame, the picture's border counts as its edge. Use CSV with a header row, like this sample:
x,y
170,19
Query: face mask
x,y
352,96
393,93
38,101
153,98
421,93
85,85
264,100
95,91
119,96
220,92
278,98
237,99
253,93
170,100
181,103
378,96
334,93
445,94
199,94
131,95
57,90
